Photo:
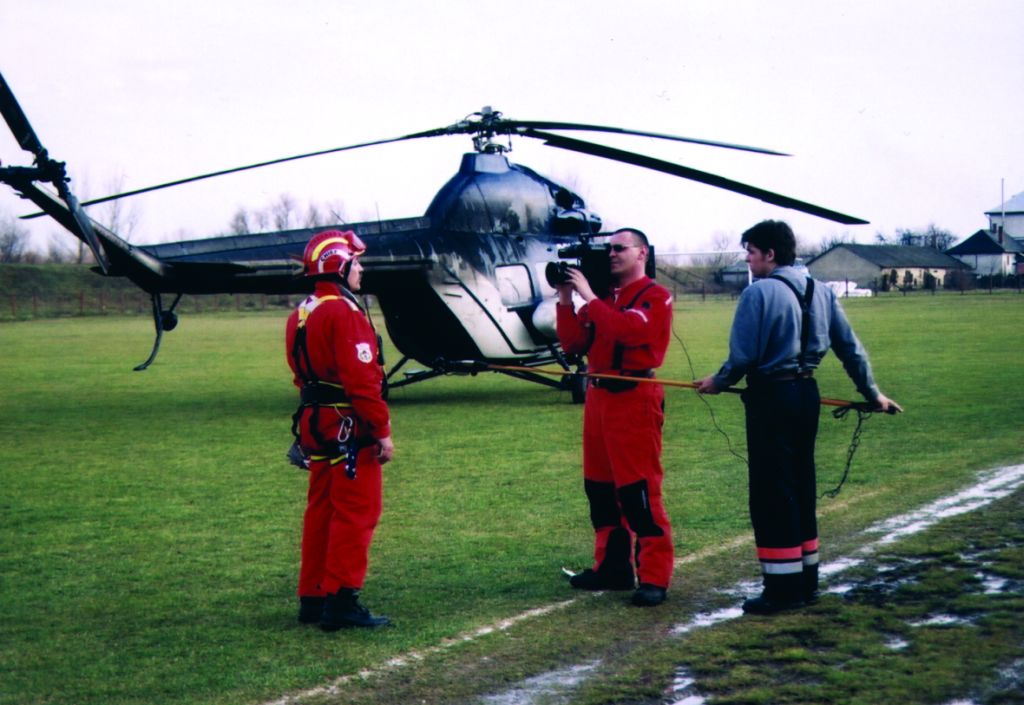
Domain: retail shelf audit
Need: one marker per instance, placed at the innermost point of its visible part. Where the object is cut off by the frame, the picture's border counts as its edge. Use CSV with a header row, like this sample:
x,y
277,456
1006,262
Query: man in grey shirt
x,y
783,327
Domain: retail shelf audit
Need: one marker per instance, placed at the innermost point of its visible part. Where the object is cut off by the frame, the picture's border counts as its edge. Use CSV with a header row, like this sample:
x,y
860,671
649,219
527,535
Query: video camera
x,y
592,260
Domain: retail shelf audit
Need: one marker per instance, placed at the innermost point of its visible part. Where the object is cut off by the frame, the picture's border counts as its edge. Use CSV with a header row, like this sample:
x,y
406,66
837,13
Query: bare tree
x,y
59,250
13,240
261,221
724,253
932,236
334,212
240,222
119,216
939,238
828,242
283,212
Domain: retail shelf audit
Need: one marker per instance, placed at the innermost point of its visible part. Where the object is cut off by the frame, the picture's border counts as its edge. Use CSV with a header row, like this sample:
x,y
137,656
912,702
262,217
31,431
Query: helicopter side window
x,y
514,285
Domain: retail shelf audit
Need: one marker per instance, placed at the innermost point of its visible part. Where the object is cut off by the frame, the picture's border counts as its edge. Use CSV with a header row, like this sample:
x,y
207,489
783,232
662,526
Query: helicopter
x,y
462,288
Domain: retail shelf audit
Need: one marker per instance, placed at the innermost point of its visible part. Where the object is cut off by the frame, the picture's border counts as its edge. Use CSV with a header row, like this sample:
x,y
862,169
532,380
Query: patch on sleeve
x,y
364,353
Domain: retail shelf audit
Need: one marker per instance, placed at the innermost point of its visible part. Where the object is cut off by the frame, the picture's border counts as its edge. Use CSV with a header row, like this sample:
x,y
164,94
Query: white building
x,y
1009,216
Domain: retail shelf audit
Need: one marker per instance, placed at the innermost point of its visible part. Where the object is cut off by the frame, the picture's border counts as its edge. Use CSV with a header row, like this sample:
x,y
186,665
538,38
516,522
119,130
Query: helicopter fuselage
x,y
463,282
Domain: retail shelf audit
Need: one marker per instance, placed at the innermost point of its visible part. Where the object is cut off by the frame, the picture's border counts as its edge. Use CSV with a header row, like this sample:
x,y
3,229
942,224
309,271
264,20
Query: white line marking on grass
x,y
994,485
548,685
335,687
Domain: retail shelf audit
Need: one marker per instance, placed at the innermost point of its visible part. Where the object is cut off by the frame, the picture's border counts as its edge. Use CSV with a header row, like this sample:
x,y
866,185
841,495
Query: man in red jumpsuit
x,y
625,334
343,430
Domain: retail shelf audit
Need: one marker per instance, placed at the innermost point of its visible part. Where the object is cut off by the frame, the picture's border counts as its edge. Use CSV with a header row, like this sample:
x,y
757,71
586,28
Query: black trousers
x,y
782,427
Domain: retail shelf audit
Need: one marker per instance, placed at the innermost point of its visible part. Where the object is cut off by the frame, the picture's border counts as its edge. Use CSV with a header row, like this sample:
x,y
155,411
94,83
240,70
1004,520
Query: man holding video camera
x,y
624,333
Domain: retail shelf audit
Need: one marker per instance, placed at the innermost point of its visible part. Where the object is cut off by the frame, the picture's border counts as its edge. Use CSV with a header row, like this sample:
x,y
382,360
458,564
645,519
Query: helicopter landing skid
x,y
575,383
162,320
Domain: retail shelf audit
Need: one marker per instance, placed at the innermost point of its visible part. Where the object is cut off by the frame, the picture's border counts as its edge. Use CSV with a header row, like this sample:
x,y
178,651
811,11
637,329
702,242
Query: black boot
x,y
343,609
310,609
603,580
764,604
615,571
811,583
781,592
649,595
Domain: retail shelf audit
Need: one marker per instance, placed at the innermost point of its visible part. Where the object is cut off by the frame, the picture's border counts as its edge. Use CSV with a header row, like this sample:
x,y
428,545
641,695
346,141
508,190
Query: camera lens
x,y
557,273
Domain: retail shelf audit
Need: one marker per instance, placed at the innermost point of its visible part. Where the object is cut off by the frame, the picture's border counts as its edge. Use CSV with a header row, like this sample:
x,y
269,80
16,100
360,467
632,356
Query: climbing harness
x,y
316,394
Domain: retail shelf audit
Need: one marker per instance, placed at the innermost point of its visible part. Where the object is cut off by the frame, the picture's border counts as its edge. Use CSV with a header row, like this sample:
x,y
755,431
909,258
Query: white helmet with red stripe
x,y
330,252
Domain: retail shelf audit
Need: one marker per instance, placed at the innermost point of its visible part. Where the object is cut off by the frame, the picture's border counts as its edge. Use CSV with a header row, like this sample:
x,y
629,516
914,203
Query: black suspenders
x,y
805,310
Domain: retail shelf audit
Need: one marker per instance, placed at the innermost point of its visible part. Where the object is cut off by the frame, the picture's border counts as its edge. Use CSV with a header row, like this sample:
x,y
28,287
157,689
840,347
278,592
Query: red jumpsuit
x,y
627,332
341,512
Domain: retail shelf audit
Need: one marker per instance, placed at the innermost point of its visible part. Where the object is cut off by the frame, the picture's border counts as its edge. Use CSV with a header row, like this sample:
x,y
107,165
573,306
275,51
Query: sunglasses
x,y
620,248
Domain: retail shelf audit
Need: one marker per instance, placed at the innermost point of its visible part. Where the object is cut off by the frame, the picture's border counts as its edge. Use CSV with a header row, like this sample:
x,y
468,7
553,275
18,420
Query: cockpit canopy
x,y
489,194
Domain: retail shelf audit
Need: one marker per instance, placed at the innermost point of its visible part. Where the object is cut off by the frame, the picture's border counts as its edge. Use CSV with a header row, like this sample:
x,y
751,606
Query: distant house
x,y
989,253
880,267
736,275
1008,218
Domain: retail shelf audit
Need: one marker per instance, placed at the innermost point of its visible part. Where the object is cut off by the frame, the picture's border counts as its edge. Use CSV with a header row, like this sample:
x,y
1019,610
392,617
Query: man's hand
x,y
385,450
707,386
580,284
884,403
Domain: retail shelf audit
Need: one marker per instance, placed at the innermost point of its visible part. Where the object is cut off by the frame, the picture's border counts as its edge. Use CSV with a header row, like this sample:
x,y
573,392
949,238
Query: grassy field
x,y
149,524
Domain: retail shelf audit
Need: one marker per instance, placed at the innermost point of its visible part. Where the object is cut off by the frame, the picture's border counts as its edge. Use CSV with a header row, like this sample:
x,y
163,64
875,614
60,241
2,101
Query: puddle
x,y
742,589
548,688
839,588
896,643
706,619
1011,678
830,568
942,620
684,690
992,584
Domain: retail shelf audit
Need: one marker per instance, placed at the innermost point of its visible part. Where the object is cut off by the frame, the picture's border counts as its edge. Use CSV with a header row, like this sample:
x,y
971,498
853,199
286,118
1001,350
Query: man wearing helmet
x,y
343,430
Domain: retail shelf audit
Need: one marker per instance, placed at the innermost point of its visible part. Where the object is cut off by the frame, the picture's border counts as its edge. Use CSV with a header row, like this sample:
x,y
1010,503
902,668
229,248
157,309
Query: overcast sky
x,y
901,113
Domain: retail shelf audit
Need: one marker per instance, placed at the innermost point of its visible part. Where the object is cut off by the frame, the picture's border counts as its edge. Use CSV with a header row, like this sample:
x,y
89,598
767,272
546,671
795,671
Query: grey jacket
x,y
765,338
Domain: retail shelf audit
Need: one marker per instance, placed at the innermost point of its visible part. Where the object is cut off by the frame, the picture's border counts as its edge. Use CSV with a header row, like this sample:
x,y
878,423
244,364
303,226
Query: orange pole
x,y
645,380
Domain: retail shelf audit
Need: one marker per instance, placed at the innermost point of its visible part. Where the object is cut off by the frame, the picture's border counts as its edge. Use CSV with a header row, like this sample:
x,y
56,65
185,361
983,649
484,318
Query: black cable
x,y
711,410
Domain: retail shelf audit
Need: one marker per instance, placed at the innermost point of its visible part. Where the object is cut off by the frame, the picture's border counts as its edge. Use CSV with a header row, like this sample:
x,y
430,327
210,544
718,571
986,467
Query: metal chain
x,y
862,416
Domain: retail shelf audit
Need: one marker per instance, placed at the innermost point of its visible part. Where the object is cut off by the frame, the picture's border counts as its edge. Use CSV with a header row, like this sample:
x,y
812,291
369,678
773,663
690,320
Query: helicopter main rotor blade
x,y
258,165
685,172
17,121
543,125
490,122
47,169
